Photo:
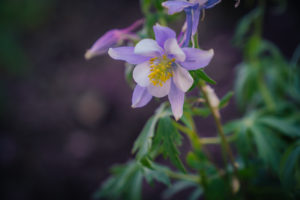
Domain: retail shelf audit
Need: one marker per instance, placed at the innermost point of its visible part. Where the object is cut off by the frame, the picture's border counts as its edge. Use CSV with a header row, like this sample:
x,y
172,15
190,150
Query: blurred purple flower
x,y
192,9
162,68
112,38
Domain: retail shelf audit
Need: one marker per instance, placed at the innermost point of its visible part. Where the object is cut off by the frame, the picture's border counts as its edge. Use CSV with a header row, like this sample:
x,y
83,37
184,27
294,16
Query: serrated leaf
x,y
158,174
143,143
170,139
125,183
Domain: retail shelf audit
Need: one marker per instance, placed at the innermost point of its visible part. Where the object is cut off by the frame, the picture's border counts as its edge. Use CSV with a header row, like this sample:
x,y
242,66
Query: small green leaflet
x,y
200,74
143,143
224,101
126,183
169,138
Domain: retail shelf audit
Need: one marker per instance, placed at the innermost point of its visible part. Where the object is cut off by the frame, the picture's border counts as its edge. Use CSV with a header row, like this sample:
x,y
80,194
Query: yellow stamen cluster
x,y
161,70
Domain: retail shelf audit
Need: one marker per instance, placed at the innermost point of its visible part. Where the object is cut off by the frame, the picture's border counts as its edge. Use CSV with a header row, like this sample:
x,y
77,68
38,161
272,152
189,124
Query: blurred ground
x,y
65,121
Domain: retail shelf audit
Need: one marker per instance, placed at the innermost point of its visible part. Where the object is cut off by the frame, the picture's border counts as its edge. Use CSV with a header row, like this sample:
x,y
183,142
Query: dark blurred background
x,y
64,120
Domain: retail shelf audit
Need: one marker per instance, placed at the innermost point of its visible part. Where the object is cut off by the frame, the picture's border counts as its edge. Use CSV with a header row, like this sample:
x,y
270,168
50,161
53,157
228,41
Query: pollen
x,y
161,70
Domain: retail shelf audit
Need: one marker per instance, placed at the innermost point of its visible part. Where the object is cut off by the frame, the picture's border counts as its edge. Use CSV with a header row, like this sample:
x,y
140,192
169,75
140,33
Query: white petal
x,y
173,49
160,91
148,47
141,73
182,78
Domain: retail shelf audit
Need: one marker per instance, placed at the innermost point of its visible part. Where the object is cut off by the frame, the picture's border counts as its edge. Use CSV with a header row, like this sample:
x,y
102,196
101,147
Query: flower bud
x,y
112,38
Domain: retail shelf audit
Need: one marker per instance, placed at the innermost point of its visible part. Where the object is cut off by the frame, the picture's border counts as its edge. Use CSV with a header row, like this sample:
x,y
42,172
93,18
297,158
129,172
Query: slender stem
x,y
134,25
216,140
217,118
188,177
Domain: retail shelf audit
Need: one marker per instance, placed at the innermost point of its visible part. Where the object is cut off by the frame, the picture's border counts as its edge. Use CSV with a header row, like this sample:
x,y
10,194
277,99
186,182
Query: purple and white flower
x,y
192,9
162,68
112,38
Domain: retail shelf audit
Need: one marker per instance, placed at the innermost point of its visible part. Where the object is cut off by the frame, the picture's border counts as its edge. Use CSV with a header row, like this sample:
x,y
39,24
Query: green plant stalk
x,y
217,118
187,177
258,30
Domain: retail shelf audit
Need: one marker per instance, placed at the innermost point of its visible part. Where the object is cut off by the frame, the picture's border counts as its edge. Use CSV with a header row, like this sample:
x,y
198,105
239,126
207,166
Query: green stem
x,y
216,140
187,177
217,118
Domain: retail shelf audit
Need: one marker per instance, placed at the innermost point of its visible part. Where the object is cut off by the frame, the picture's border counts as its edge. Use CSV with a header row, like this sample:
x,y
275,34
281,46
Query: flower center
x,y
161,70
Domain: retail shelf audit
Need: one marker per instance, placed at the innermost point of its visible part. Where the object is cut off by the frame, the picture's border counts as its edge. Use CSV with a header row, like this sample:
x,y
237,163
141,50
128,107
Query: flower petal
x,y
126,54
173,50
148,47
163,33
176,6
182,79
160,91
196,16
101,46
196,58
141,73
176,98
140,97
211,3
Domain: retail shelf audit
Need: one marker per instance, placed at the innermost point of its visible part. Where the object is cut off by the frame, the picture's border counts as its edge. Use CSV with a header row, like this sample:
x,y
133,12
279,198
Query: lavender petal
x,y
140,97
163,33
176,6
176,98
196,58
127,54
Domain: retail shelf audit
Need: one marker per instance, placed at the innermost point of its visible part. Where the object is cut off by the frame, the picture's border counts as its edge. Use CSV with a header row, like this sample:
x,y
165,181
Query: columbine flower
x,y
110,39
192,9
162,68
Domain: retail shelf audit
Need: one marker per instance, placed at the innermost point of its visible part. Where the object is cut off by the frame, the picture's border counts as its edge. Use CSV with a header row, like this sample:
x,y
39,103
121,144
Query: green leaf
x,y
143,143
281,125
217,189
200,74
196,194
125,183
187,117
203,112
246,85
170,138
178,187
245,25
157,173
224,101
268,145
289,164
